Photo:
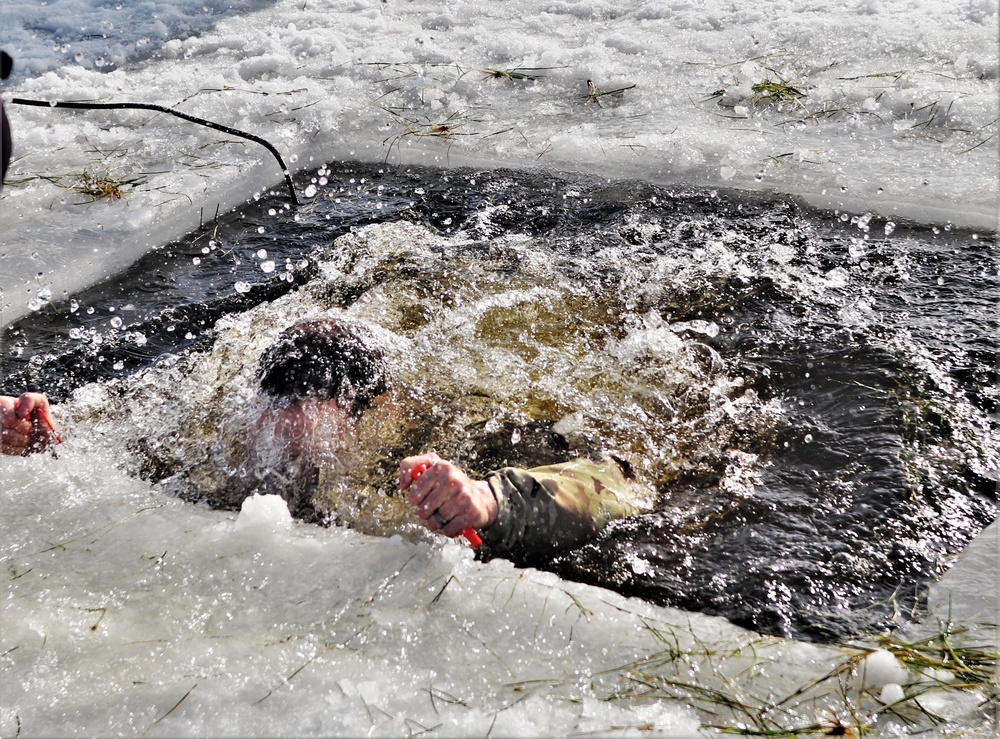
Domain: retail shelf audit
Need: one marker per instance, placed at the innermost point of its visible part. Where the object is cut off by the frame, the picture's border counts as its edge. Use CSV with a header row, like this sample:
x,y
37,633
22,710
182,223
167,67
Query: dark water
x,y
877,342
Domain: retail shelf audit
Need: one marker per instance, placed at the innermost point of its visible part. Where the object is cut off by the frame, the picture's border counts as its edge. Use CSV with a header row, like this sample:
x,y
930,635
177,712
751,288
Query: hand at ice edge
x,y
442,492
26,424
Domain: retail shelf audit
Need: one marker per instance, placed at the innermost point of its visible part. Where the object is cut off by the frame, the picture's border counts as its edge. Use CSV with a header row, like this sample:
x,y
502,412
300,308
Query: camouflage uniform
x,y
545,510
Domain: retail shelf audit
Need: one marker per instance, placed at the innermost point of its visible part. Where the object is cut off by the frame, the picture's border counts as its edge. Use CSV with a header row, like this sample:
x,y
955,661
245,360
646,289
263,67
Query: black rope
x,y
185,116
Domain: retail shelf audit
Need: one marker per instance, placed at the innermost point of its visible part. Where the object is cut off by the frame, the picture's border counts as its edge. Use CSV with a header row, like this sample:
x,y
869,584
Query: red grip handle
x,y
48,424
470,535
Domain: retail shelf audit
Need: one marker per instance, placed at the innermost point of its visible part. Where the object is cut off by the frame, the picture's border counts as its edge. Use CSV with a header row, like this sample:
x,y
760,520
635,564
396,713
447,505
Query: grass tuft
x,y
102,186
775,93
732,691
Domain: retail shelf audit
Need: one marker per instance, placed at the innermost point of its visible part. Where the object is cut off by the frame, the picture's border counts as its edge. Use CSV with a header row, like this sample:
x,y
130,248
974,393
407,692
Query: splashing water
x,y
808,406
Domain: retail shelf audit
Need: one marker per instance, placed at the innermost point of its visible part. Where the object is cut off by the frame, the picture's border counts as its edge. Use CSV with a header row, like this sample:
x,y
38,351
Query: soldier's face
x,y
299,425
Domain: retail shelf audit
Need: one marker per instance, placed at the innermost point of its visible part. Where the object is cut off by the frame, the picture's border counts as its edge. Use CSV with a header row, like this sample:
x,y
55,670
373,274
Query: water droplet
x,y
889,227
940,280
272,212
808,438
267,266
196,261
140,339
75,333
35,304
242,287
262,254
260,229
310,191
90,310
99,62
515,437
116,322
118,365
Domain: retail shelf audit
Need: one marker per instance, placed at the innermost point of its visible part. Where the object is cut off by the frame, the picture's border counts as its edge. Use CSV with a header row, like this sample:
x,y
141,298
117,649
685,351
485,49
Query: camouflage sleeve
x,y
545,510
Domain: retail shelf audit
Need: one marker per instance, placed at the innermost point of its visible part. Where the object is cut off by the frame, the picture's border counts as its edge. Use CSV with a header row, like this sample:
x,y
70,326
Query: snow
x,y
126,611
264,514
882,668
121,604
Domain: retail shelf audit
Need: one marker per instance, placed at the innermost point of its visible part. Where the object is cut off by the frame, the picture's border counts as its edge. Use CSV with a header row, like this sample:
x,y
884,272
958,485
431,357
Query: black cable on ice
x,y
160,109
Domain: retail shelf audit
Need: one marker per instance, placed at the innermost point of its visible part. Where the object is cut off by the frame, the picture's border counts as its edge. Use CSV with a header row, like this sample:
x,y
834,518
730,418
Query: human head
x,y
326,359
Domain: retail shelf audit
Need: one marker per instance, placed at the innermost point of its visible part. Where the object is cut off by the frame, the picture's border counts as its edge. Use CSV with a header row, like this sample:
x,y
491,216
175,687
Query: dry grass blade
x,y
517,73
595,93
152,725
895,75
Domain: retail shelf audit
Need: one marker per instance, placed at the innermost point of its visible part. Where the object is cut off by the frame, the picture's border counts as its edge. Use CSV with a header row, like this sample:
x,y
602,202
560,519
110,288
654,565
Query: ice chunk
x,y
264,513
882,668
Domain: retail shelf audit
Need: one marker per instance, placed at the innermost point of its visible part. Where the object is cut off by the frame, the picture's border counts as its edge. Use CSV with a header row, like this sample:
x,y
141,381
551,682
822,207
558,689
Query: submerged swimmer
x,y
334,367
326,377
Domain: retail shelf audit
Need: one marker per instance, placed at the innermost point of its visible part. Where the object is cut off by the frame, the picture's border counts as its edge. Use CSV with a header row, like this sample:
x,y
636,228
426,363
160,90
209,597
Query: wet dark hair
x,y
326,359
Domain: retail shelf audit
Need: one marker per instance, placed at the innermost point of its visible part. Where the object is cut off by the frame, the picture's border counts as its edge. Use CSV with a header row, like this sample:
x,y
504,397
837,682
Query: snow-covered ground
x,y
128,612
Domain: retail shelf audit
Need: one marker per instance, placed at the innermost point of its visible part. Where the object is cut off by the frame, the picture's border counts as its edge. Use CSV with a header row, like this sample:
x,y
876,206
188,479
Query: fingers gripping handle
x,y
471,536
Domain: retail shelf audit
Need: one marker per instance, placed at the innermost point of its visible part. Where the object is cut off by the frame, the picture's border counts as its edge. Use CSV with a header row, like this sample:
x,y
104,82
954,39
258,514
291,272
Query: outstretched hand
x,y
26,424
446,498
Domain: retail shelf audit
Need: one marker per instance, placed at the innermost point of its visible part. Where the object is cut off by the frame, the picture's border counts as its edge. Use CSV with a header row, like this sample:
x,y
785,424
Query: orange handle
x,y
470,535
48,424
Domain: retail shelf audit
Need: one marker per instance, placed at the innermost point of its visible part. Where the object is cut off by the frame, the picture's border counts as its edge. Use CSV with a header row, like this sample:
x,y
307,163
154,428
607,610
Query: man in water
x,y
330,366
327,375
